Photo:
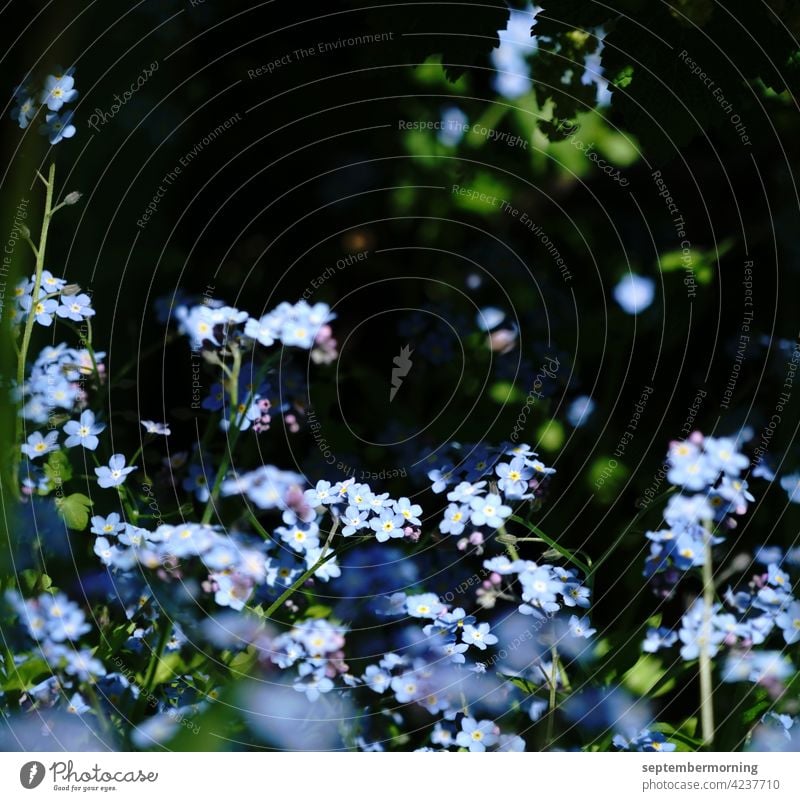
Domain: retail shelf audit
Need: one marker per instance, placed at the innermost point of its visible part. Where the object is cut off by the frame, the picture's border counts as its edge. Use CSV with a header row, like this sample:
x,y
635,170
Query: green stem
x,y
570,557
98,709
706,683
155,656
504,538
37,285
235,423
132,460
551,713
323,557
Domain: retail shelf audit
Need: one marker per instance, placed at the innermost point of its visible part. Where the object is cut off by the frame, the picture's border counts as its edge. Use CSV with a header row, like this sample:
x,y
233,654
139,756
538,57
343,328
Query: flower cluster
x,y
217,330
763,612
297,325
57,380
708,469
544,589
484,484
57,624
315,648
752,624
55,298
58,90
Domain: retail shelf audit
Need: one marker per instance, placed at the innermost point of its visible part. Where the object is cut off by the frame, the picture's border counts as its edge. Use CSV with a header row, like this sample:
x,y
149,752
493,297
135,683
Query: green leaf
x,y
645,675
243,662
318,611
57,469
74,510
551,435
681,735
26,675
569,556
505,392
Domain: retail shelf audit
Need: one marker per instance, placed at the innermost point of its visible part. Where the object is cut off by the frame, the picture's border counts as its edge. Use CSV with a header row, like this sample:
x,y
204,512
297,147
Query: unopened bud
x,y
211,357
71,289
24,231
72,198
504,538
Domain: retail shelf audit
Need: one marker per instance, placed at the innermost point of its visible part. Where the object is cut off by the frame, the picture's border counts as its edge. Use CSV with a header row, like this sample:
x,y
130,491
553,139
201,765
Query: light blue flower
x,y
83,665
376,679
231,592
694,473
25,110
263,330
49,284
320,495
683,511
84,432
408,511
789,623
441,477
777,577
791,484
360,496
76,705
406,688
723,455
301,536
58,89
489,317
37,445
476,735
489,511
75,307
354,520
43,309
327,570
454,126
425,605
314,686
646,740
455,651
455,518
465,491
657,638
387,525
539,585
58,127
514,477
107,526
478,636
580,627
71,625
155,730
115,474
689,550
580,410
576,595
736,491
634,293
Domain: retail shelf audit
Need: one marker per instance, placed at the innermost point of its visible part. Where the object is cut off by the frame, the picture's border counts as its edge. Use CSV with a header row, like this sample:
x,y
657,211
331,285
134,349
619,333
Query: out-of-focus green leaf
x,y
74,510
